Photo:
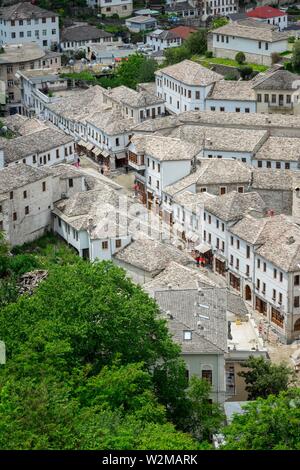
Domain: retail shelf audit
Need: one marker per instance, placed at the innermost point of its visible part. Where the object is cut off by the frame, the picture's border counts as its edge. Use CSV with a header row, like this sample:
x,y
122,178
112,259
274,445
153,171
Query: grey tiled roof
x,y
234,205
17,175
30,144
83,32
132,98
241,90
18,53
163,148
277,239
279,80
152,256
24,10
183,304
111,121
280,148
249,29
190,73
272,179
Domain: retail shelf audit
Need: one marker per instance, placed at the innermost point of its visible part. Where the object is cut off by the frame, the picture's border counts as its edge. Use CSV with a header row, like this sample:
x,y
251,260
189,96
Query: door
x,y
280,100
248,294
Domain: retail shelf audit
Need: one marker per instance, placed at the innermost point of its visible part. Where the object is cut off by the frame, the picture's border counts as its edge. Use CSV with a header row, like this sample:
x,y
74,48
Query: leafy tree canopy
x,y
264,378
268,424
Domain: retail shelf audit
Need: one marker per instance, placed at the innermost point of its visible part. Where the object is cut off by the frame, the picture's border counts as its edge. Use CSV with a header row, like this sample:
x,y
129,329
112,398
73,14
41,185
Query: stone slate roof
x,y
24,11
214,138
111,122
280,149
163,148
272,179
84,32
181,32
232,90
181,305
265,12
279,80
234,205
277,239
251,29
23,125
152,256
36,142
132,98
190,73
17,175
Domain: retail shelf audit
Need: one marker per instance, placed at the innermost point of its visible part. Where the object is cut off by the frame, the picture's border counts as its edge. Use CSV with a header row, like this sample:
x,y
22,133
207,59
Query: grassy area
x,y
230,62
285,53
45,252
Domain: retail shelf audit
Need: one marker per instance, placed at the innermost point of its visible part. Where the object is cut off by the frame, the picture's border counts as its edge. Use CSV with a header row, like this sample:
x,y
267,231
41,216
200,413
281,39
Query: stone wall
x,y
252,58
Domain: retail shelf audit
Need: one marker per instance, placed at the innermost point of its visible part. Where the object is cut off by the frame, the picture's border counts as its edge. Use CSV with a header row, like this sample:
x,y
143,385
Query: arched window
x,y
297,325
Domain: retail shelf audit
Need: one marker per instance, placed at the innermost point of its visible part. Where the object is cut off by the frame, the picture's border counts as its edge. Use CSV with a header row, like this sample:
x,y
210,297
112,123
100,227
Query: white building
x,y
25,22
112,7
159,161
137,24
161,39
192,8
185,86
269,15
27,195
232,97
78,36
44,147
279,153
256,40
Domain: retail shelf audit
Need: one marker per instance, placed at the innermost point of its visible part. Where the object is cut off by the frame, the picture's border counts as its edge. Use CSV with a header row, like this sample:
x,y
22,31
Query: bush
x,y
288,66
245,71
80,54
208,54
291,39
21,264
115,16
240,58
230,76
275,56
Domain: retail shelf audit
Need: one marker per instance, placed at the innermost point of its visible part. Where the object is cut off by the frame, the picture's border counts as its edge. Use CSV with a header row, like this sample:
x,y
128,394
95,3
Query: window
x,y
258,263
222,109
274,295
209,219
247,110
296,301
288,99
71,183
105,245
44,186
157,184
280,276
13,35
53,31
264,288
297,280
275,273
222,190
259,44
29,34
218,242
153,165
11,195
14,216
265,267
217,223
207,375
158,167
21,34
117,142
209,238
266,98
280,298
287,166
231,240
149,180
189,94
237,263
26,210
257,284
57,153
258,97
231,260
212,108
259,164
269,164
267,46
248,251
273,98
223,227
187,335
223,246
118,243
237,110
204,235
278,165
240,189
148,162
247,270
197,95
24,194
238,244
43,20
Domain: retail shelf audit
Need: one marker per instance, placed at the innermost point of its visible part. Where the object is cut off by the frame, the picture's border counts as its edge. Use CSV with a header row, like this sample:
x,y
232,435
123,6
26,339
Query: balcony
x,y
136,161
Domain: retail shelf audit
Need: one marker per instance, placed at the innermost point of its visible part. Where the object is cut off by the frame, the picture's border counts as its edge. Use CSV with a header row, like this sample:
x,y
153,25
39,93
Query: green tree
x,y
218,22
174,55
267,424
135,70
296,55
240,58
264,378
245,71
196,43
4,255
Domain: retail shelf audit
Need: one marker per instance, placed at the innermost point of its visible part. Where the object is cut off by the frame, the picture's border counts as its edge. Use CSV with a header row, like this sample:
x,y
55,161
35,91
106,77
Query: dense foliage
x,y
268,424
196,44
90,365
264,378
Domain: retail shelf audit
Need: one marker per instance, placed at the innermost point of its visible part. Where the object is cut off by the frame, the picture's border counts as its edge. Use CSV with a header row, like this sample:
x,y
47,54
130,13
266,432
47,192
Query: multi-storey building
x,y
112,7
78,36
161,39
185,86
269,15
26,23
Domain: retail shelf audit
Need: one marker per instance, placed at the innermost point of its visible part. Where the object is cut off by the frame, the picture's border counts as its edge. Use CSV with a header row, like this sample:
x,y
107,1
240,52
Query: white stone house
x,y
278,153
111,7
161,39
231,97
185,86
78,36
269,15
268,271
159,161
44,147
26,23
257,41
137,24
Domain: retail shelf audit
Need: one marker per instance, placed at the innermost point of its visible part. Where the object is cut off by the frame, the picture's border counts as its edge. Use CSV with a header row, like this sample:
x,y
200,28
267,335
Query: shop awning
x,y
89,147
203,248
97,151
82,143
105,153
192,236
